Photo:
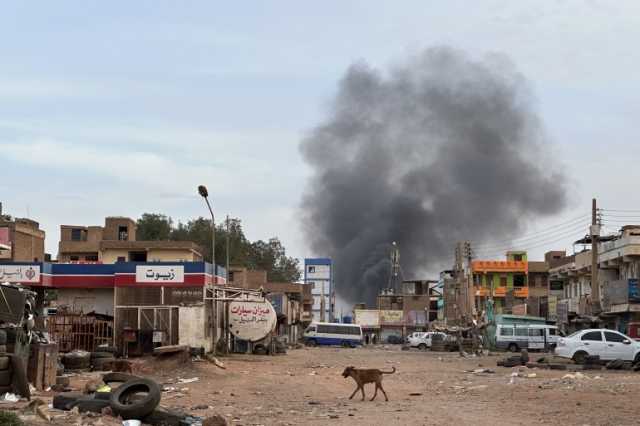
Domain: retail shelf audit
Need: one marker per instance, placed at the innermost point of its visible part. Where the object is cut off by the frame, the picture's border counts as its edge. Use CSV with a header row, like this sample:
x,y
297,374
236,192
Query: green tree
x,y
154,227
269,256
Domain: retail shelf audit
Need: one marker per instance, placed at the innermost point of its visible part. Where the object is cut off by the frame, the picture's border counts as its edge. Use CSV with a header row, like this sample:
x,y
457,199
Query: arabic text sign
x,y
391,317
20,273
251,320
367,317
160,273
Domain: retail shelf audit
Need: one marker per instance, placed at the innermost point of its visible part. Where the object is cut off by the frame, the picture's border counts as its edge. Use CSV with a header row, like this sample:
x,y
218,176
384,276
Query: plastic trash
x,y
9,397
131,423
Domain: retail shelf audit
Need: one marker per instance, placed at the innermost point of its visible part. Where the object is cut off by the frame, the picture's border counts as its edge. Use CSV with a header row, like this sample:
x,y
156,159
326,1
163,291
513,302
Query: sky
x,y
121,108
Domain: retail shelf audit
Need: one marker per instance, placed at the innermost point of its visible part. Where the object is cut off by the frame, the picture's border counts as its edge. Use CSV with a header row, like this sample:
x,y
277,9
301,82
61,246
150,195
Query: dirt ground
x,y
306,387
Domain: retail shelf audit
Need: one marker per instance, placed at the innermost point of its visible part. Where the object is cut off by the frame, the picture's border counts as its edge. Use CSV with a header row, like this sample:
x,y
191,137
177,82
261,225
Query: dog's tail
x,y
393,370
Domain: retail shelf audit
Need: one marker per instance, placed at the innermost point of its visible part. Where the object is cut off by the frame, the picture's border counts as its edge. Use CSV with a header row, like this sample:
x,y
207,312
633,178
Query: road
x,y
306,387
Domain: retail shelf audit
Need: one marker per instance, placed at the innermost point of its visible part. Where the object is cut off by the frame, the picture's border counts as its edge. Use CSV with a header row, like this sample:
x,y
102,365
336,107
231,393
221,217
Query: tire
x,y
636,360
5,377
91,405
111,349
141,408
64,400
5,362
513,347
97,355
105,396
422,347
118,378
312,342
579,357
3,337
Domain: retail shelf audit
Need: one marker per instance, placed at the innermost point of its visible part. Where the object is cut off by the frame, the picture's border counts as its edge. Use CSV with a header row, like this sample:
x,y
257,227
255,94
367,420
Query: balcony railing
x,y
522,292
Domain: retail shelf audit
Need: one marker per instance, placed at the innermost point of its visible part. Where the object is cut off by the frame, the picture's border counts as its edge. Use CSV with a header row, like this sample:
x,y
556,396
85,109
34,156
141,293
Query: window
x,y
506,331
535,332
503,281
76,234
614,337
519,280
123,233
91,258
230,274
522,331
74,258
552,331
121,259
593,336
311,269
517,257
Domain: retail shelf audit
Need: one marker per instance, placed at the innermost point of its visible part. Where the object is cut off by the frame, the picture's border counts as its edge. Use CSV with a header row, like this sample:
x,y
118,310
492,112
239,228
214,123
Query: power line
x,y
620,211
560,237
549,230
531,239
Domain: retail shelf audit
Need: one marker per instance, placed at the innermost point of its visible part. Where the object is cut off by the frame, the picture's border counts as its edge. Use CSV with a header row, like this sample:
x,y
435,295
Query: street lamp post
x,y
202,190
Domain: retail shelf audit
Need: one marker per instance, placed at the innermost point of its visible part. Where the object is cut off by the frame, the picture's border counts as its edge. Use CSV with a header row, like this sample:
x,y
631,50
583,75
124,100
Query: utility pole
x,y
227,250
470,293
461,295
595,233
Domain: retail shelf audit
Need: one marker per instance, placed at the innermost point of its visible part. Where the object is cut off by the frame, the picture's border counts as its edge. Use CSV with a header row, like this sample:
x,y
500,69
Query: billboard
x,y
160,273
369,318
20,273
391,317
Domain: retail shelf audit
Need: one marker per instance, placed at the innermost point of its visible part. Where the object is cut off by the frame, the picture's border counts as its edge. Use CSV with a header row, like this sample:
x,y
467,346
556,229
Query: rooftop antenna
x,y
395,266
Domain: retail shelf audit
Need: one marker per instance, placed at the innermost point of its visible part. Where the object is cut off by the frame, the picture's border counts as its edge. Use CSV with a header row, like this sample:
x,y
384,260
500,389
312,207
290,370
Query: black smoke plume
x,y
441,148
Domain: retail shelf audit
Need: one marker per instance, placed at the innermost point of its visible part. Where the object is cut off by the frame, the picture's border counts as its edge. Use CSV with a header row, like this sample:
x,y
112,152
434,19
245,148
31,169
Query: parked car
x,y
423,340
607,344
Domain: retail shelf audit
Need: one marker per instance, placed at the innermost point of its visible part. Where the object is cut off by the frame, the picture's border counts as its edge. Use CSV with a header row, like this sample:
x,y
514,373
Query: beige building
x,y
21,240
116,242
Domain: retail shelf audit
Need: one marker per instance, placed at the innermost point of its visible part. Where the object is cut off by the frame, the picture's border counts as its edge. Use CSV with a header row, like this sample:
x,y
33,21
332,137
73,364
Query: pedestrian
x,y
366,339
374,338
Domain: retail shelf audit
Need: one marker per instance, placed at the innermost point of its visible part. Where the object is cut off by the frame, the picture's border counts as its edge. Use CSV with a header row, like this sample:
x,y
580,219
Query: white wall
x,y
191,328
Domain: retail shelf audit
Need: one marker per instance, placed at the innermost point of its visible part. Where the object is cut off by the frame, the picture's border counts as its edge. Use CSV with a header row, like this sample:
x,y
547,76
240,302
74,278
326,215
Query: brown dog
x,y
364,376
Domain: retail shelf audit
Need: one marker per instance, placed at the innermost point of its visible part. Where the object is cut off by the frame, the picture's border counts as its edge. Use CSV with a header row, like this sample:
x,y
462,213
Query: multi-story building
x,y
505,282
21,240
116,242
318,273
619,273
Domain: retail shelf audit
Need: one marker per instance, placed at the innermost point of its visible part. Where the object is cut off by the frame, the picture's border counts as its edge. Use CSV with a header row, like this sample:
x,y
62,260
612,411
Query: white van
x,y
515,337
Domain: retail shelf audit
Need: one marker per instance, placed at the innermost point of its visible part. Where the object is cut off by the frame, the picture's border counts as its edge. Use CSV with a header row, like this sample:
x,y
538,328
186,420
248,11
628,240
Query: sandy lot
x,y
306,387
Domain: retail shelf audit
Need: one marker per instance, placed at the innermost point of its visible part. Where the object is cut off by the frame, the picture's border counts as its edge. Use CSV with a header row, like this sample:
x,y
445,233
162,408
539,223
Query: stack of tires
x,y
438,344
134,398
76,361
5,365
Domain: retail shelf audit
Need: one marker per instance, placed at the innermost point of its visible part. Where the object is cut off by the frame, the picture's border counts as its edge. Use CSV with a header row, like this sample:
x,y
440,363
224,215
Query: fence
x,y
79,331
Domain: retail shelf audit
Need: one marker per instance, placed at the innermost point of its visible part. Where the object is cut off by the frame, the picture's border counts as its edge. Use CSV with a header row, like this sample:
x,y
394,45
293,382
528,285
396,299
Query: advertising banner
x,y
391,317
368,318
20,273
